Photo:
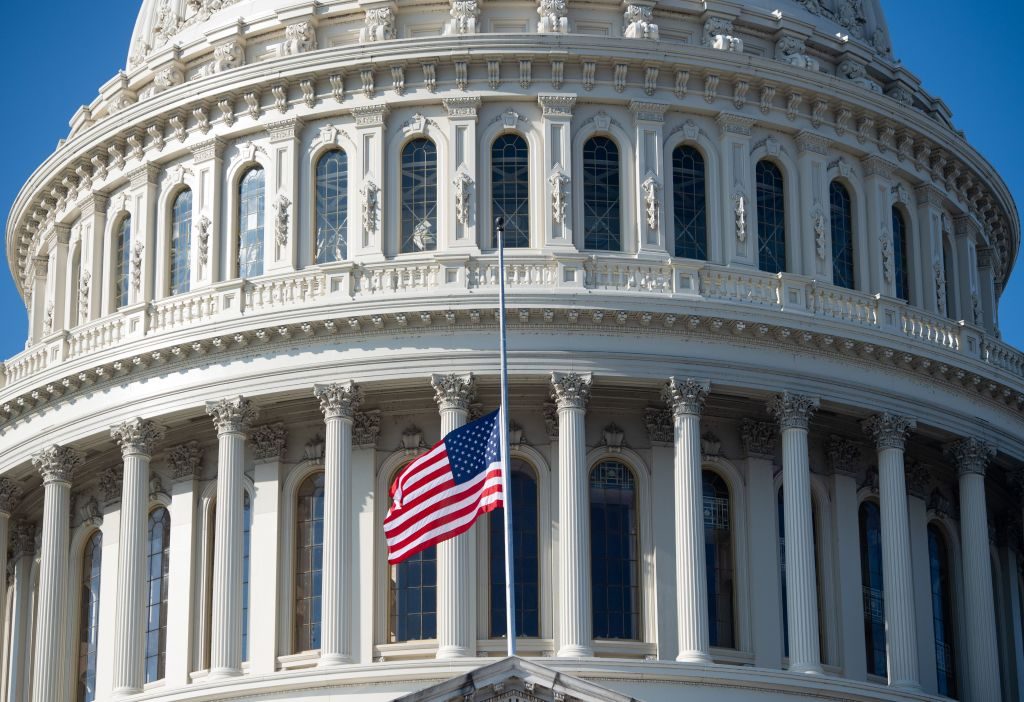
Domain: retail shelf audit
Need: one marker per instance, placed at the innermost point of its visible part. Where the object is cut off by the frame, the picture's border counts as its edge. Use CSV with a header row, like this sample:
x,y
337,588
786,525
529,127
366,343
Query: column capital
x,y
842,454
366,428
10,495
453,391
57,463
758,438
339,399
137,436
970,455
233,414
268,441
22,539
686,396
556,104
889,431
185,460
793,411
571,390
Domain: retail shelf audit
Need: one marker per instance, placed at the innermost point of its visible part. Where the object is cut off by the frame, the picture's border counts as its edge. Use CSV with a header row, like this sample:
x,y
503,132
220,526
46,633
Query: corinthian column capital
x,y
687,396
10,494
57,463
890,431
571,390
339,399
453,391
970,455
793,411
233,414
137,436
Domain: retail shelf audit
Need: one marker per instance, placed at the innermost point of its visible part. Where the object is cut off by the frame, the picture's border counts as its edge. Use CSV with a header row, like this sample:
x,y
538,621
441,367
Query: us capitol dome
x,y
767,443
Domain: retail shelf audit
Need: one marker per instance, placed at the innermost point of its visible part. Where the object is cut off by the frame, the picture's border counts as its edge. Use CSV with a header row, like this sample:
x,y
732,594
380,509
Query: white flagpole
x,y
510,602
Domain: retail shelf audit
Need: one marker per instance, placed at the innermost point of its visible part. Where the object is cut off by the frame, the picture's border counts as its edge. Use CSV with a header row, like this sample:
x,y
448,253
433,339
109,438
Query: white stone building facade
x,y
260,275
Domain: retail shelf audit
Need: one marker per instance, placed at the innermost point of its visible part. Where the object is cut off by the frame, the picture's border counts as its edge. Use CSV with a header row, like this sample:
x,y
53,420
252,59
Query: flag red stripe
x,y
449,503
450,531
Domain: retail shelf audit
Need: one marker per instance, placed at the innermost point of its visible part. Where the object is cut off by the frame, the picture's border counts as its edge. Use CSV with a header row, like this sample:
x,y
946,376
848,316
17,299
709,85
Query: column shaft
x,y
575,624
453,576
691,568
53,571
226,636
129,656
21,547
335,643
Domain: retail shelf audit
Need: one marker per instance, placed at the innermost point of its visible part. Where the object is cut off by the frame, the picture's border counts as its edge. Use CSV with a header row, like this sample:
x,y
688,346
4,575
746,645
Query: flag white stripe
x,y
413,512
399,529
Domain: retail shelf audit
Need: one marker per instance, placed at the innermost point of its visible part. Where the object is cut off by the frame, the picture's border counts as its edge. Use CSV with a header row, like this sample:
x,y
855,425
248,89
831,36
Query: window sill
x,y
406,650
297,661
536,648
731,656
608,648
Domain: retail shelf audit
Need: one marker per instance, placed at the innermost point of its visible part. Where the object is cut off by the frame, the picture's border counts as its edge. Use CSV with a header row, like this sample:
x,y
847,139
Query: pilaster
x,y
369,243
556,130
207,213
143,193
286,214
94,227
878,276
815,224
930,215
967,235
22,546
464,230
650,181
738,198
56,280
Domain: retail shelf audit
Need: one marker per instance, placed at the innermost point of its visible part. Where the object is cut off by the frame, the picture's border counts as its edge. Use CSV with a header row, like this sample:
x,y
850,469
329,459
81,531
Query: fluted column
x,y
232,418
793,413
456,609
136,437
339,403
890,435
971,457
23,545
571,391
686,399
10,494
56,464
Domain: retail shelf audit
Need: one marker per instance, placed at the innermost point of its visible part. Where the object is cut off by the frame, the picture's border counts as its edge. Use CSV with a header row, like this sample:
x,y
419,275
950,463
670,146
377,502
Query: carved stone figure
x,y
282,220
651,189
718,34
639,23
225,57
299,38
818,224
857,74
204,240
554,17
379,25
137,266
559,196
465,14
463,197
741,217
791,50
370,193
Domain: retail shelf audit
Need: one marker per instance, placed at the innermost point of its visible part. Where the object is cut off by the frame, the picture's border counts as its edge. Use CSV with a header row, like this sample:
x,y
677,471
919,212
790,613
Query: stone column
x,y
23,545
686,399
339,403
232,418
10,494
456,608
890,435
137,438
56,464
793,413
571,391
971,457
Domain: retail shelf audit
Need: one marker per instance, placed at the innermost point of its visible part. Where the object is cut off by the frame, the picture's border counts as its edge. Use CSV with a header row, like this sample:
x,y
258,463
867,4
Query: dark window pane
x,y
942,612
332,207
602,225
525,549
123,261
89,618
771,218
510,188
309,562
252,193
900,258
873,589
159,556
841,207
689,196
718,555
614,555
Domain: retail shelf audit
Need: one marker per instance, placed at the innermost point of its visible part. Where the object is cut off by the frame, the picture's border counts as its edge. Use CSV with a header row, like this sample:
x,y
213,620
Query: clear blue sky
x,y
949,44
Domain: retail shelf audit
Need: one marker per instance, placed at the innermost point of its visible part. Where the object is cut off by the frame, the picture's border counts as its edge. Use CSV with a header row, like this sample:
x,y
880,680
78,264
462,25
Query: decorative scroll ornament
x,y
370,193
235,414
204,226
137,436
554,17
710,444
792,50
299,38
659,424
379,25
463,197
686,396
339,399
366,428
465,14
10,495
758,438
818,224
651,189
185,460
453,391
889,431
282,220
718,34
792,411
842,455
571,390
970,455
57,463
559,195
740,212
268,441
639,23
137,249
886,240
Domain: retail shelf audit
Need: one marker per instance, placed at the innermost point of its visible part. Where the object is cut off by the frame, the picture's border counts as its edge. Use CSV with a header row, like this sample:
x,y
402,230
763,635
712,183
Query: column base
x,y
693,657
125,692
906,686
448,652
805,669
222,673
329,660
575,652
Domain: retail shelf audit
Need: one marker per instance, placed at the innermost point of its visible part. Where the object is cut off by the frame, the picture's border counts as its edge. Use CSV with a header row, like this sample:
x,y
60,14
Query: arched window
x,y
949,272
412,605
309,560
942,611
771,218
614,552
419,196
901,260
123,261
332,207
159,557
89,617
841,208
251,212
510,188
873,589
689,197
718,557
602,199
527,557
181,242
817,571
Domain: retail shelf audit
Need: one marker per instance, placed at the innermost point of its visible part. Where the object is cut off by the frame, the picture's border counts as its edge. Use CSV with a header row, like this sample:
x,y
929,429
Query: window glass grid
x,y
942,612
510,188
771,218
413,611
900,258
89,618
873,588
123,261
181,243
719,560
419,196
309,558
251,213
602,201
614,552
332,207
158,564
841,207
689,198
525,549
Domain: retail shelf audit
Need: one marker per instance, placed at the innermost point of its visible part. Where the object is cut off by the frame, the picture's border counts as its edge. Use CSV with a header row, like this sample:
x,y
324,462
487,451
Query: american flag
x,y
440,494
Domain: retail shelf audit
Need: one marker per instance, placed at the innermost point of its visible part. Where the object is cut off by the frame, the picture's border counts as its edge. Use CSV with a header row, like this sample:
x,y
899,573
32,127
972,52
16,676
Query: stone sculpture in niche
x,y
639,23
718,34
793,51
465,14
298,39
378,26
857,74
554,17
